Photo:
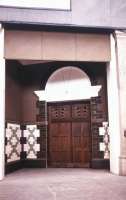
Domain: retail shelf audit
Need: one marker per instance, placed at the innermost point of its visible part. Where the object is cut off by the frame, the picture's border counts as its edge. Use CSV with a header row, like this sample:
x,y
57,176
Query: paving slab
x,y
63,184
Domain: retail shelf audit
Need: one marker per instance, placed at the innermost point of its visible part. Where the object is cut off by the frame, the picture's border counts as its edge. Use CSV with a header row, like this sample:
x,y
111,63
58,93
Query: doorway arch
x,y
64,90
66,84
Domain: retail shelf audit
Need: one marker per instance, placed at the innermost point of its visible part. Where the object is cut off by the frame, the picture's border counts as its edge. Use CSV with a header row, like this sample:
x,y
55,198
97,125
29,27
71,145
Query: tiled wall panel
x,y
104,145
31,146
42,126
98,116
13,145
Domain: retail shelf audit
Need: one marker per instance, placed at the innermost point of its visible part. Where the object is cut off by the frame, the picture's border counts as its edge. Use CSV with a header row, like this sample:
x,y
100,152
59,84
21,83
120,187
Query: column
x,y
121,58
2,103
114,108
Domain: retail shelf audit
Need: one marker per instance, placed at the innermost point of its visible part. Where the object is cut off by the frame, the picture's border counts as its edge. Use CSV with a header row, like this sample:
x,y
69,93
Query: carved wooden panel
x,y
60,112
81,111
81,142
59,142
69,138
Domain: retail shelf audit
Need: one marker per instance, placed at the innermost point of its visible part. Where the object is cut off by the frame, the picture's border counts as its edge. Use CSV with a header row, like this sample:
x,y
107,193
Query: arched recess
x,y
68,83
73,84
65,84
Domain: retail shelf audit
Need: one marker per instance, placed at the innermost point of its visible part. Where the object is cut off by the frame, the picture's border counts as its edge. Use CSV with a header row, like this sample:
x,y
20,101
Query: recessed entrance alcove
x,y
69,119
54,111
35,61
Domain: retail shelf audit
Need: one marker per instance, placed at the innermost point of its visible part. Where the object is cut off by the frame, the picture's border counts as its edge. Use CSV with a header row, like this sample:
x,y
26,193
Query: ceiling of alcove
x,y
32,62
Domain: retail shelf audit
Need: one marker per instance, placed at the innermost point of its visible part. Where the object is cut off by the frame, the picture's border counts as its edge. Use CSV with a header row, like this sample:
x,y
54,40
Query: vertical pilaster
x,y
2,103
114,108
121,57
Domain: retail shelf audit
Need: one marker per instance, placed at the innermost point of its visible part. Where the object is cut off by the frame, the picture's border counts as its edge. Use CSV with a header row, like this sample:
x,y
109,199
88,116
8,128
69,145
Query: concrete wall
x,y
57,46
2,103
84,13
121,49
116,74
13,93
113,109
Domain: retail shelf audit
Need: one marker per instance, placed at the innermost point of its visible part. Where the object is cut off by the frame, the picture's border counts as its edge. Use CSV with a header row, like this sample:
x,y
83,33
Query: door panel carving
x,y
81,111
60,112
69,138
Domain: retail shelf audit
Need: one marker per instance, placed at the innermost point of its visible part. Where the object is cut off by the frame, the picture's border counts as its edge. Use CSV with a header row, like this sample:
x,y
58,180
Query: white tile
x,y
37,147
37,133
8,133
31,140
102,146
31,155
25,133
13,126
31,127
101,131
26,147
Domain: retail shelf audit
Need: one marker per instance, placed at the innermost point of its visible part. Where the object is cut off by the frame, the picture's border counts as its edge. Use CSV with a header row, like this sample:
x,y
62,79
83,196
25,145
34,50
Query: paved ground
x,y
62,184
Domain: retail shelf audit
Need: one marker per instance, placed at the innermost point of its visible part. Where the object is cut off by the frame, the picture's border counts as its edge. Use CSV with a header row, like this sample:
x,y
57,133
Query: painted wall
x,y
113,110
84,13
13,93
2,103
22,137
29,104
43,4
121,70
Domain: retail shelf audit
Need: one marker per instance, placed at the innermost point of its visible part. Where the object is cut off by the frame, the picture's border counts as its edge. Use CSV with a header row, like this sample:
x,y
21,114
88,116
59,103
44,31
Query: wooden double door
x,y
69,138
